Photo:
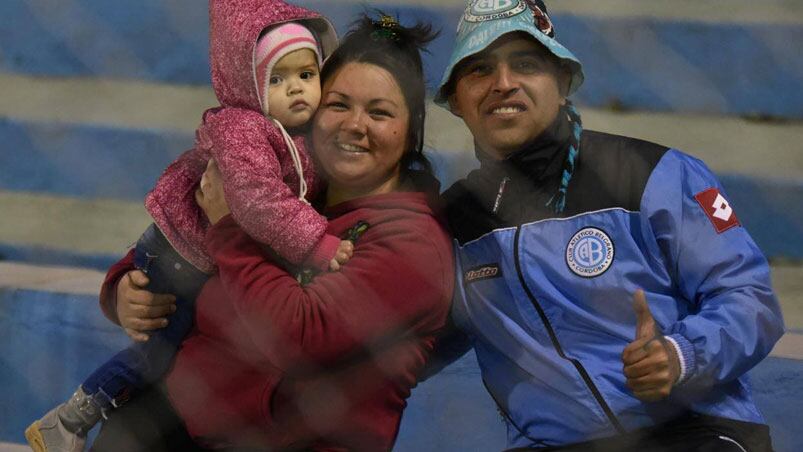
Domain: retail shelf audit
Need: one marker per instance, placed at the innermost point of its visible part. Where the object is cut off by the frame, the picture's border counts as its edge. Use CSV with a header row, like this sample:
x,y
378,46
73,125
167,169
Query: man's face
x,y
508,94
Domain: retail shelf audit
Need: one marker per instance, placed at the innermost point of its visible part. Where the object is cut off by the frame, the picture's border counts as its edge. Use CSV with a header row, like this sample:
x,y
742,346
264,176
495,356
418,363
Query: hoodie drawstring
x,y
302,185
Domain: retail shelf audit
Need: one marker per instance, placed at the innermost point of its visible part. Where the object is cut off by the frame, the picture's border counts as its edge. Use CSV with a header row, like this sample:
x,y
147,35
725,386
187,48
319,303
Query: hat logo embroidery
x,y
542,21
485,10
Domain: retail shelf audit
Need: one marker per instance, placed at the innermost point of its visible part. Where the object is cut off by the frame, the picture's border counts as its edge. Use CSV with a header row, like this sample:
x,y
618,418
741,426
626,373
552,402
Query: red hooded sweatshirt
x,y
261,183
326,366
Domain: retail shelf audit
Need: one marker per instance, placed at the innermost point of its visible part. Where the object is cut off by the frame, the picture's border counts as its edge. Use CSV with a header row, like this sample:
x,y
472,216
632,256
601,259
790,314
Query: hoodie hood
x,y
235,27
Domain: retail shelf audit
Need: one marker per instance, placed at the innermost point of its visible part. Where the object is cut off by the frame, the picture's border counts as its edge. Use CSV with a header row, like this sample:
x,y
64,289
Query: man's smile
x,y
507,108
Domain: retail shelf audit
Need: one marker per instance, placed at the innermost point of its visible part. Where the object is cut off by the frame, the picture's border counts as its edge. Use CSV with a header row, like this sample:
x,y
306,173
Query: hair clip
x,y
387,28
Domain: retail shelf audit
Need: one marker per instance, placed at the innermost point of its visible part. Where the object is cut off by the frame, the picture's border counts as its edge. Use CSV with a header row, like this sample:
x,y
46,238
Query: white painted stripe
x,y
716,11
50,279
790,346
11,447
123,104
726,144
71,224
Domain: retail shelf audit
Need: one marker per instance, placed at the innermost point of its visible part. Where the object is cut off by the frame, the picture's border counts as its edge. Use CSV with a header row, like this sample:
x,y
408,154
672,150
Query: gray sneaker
x,y
64,428
49,434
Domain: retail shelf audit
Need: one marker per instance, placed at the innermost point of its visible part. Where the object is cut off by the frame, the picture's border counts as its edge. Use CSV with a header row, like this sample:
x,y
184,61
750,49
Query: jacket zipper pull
x,y
499,194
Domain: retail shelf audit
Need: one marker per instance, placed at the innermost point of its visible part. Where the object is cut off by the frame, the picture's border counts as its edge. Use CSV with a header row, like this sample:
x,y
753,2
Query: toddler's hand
x,y
343,254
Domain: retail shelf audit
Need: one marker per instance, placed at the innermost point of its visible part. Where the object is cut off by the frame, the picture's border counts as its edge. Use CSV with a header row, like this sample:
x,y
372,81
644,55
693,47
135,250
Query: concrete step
x,y
153,111
12,447
729,145
79,281
134,109
55,161
60,230
678,56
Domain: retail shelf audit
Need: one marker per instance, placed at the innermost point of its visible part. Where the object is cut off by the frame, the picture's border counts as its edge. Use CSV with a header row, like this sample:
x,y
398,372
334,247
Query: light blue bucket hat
x,y
485,21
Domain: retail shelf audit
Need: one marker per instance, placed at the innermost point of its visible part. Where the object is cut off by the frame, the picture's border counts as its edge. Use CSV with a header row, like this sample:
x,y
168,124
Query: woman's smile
x,y
352,148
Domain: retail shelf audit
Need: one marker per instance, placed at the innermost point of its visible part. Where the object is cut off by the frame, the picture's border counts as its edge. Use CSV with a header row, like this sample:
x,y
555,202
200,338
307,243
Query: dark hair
x,y
397,49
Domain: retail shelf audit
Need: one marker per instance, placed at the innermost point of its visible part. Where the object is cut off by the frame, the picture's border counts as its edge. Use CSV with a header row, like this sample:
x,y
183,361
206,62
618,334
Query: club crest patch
x,y
718,209
484,10
483,272
589,252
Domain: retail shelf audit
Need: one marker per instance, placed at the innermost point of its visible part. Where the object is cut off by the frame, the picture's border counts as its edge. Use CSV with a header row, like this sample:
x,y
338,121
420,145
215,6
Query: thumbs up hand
x,y
651,364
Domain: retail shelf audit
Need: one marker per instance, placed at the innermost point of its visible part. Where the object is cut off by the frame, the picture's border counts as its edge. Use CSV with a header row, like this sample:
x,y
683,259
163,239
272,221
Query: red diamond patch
x,y
718,209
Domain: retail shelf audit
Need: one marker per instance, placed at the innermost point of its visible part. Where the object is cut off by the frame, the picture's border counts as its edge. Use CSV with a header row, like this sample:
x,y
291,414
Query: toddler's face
x,y
294,90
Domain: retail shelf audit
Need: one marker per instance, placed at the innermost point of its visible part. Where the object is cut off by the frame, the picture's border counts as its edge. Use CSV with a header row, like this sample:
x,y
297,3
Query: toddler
x,y
265,58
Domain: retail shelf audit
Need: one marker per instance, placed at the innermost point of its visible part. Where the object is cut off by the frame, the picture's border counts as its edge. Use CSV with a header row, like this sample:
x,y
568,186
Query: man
x,y
612,298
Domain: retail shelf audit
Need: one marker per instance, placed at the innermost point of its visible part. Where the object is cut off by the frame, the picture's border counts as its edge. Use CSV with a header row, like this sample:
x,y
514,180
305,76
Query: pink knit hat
x,y
272,46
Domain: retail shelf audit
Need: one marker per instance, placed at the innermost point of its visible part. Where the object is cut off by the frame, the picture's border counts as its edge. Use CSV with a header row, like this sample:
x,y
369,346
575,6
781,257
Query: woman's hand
x,y
138,310
209,195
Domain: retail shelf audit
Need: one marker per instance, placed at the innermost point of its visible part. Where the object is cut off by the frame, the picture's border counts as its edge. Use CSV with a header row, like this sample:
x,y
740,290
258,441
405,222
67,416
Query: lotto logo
x,y
480,273
722,209
718,209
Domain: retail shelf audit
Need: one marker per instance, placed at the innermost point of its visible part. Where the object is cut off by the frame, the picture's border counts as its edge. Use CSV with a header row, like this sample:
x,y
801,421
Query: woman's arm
x,y
398,283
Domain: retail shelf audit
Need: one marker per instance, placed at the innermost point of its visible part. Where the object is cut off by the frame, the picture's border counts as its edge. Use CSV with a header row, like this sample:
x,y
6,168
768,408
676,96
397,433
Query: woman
x,y
327,365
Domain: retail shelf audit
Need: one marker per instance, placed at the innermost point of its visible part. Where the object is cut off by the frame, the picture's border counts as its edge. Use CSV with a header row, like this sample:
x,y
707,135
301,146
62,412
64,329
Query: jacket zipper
x,y
554,338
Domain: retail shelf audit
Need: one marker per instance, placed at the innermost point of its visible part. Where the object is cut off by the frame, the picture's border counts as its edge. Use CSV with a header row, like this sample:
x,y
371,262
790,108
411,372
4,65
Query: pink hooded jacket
x,y
261,183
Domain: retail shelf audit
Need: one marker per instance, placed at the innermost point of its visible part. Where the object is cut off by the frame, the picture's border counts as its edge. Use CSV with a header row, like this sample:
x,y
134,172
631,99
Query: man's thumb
x,y
645,324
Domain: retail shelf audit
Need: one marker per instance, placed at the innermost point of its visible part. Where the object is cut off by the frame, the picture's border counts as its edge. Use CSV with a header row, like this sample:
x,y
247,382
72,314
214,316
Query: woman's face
x,y
360,130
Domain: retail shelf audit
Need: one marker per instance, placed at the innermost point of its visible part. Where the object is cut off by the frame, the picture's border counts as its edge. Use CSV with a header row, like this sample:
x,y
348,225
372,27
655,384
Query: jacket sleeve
x,y
188,167
732,318
244,145
398,281
108,290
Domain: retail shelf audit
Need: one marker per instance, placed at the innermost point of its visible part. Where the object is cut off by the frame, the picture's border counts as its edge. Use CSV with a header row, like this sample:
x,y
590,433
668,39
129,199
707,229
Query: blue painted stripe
x,y
148,40
638,63
50,343
778,392
649,64
84,160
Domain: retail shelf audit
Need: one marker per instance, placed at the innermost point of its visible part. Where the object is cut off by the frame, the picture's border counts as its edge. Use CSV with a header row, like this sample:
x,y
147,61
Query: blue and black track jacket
x,y
546,299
